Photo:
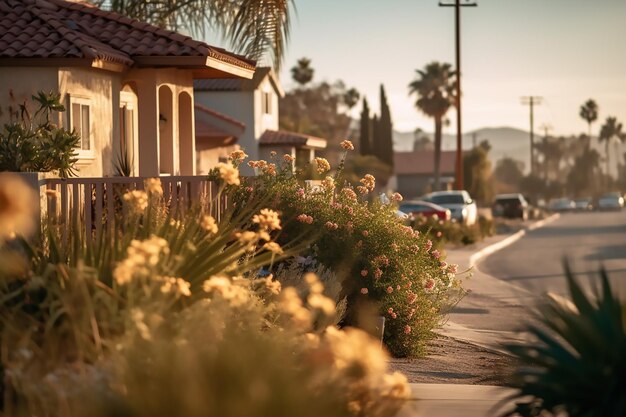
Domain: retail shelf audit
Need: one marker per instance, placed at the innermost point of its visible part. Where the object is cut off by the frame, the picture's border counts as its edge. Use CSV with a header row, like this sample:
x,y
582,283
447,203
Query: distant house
x,y
255,104
216,137
414,172
127,85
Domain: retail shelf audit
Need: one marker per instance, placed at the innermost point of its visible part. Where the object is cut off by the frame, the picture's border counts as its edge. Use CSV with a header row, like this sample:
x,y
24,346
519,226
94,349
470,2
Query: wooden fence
x,y
91,201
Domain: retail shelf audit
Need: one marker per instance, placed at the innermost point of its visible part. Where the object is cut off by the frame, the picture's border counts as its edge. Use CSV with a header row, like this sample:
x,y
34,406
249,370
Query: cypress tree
x,y
375,137
385,130
365,136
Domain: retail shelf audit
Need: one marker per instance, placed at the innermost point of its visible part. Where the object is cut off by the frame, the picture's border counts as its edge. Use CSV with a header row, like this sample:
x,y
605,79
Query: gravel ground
x,y
451,361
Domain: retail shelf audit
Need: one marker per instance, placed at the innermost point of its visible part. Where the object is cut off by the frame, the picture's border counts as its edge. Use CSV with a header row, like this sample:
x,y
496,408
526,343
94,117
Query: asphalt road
x,y
586,240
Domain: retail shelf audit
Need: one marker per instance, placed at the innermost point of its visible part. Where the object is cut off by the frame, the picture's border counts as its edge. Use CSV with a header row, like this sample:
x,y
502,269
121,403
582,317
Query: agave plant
x,y
578,365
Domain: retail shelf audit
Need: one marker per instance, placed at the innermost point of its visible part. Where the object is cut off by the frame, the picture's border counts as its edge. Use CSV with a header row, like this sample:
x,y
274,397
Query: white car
x,y
611,201
460,204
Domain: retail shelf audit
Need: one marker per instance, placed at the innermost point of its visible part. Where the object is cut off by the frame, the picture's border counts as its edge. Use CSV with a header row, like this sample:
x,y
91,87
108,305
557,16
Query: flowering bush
x,y
378,259
168,317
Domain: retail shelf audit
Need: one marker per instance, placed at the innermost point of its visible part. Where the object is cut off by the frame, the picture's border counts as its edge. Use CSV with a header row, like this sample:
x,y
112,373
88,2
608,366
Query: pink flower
x,y
394,316
389,289
443,265
398,287
249,189
300,192
390,310
453,268
438,234
436,254
378,273
411,312
412,297
407,329
364,291
430,284
428,246
366,233
364,272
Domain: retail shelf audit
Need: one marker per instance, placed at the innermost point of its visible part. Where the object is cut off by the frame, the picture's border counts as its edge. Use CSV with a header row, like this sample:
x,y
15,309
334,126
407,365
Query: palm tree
x,y
609,130
253,27
434,87
351,98
589,113
302,72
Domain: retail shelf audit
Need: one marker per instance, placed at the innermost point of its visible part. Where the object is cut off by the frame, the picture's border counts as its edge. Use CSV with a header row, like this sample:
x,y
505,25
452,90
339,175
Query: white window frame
x,y
82,101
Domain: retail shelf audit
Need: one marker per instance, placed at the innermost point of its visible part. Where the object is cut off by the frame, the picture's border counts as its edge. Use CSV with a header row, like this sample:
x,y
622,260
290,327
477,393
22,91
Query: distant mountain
x,y
504,141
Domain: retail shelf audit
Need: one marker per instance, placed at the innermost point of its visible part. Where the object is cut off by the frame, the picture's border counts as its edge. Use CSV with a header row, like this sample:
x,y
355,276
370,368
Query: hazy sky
x,y
564,50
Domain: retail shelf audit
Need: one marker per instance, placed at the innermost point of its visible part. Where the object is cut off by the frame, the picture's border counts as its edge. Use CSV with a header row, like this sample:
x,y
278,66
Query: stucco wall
x,y
23,83
207,159
102,89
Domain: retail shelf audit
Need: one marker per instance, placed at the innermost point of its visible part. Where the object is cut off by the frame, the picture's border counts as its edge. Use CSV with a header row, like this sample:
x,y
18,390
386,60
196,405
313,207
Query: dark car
x,y
510,206
425,208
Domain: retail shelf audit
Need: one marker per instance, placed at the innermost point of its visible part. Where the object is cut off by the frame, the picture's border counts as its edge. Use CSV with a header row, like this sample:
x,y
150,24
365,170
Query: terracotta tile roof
x,y
219,115
67,29
423,162
237,84
282,137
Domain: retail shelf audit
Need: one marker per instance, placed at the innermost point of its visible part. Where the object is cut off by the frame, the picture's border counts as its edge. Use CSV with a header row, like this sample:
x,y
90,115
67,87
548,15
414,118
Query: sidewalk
x,y
489,315
493,311
444,400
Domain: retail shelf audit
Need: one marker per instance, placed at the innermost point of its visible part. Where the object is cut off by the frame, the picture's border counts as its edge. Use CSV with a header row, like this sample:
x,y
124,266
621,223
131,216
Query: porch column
x,y
148,120
186,135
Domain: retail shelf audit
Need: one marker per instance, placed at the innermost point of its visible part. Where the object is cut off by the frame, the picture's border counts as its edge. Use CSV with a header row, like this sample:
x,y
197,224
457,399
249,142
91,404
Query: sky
x,y
565,51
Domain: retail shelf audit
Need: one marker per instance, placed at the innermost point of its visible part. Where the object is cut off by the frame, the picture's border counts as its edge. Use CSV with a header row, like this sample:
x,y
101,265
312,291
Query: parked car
x,y
426,209
561,205
611,201
510,206
460,204
583,204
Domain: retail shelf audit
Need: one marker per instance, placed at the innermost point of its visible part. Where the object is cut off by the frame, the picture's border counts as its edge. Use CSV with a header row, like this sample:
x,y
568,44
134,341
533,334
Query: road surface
x,y
587,240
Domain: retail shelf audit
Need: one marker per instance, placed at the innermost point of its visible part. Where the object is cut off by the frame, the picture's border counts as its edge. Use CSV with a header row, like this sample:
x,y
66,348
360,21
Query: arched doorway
x,y
166,131
185,134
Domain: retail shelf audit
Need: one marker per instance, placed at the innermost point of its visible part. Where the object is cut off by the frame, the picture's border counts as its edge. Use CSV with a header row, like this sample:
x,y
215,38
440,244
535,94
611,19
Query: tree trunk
x,y
437,173
606,153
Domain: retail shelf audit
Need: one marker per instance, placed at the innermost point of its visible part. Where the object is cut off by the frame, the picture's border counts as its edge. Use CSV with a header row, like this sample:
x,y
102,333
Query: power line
x,y
532,101
459,134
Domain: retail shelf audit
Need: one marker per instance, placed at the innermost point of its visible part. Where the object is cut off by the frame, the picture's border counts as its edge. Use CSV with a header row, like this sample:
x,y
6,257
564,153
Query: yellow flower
x,y
267,219
209,224
322,303
288,158
228,173
176,285
18,206
328,183
235,294
348,193
273,247
396,197
153,186
137,200
322,165
347,145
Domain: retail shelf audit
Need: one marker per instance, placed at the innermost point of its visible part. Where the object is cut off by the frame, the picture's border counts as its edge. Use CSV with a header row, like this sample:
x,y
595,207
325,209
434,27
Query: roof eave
x,y
46,62
215,67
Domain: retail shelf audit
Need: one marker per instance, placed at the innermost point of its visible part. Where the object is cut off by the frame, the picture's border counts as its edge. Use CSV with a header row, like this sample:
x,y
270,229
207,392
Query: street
x,y
586,240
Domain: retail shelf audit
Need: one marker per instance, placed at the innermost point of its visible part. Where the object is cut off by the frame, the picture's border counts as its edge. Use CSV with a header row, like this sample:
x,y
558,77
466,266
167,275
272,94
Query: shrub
x,y
170,319
35,144
451,232
578,362
377,258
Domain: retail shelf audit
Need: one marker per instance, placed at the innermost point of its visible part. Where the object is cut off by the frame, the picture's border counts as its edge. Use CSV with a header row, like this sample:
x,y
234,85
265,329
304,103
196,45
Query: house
x,y
127,85
254,102
414,171
216,137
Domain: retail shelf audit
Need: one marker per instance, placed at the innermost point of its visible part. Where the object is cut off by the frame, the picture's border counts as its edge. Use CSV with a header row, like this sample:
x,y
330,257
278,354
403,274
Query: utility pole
x,y
459,133
532,101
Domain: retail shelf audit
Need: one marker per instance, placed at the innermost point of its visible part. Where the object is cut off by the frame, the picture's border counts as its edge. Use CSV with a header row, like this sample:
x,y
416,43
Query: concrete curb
x,y
484,252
